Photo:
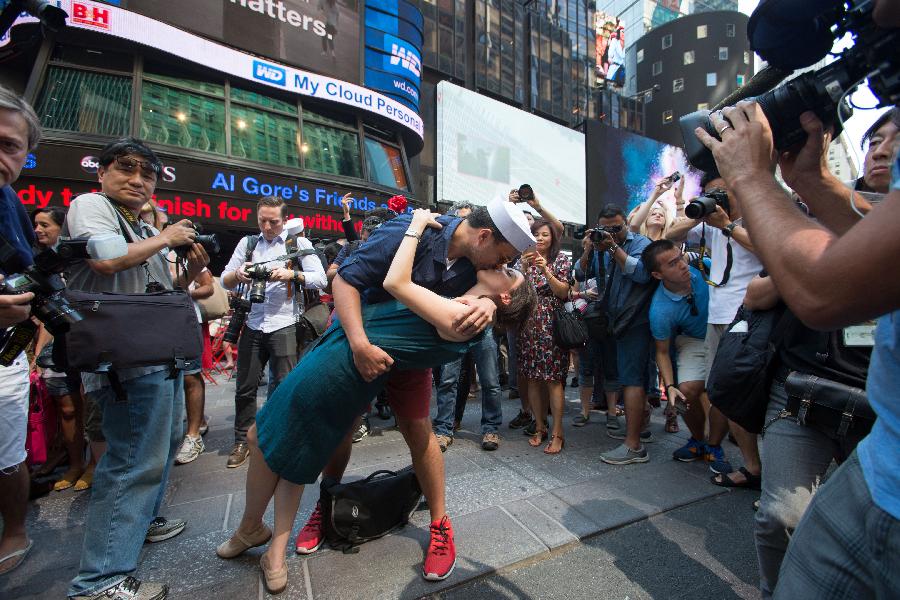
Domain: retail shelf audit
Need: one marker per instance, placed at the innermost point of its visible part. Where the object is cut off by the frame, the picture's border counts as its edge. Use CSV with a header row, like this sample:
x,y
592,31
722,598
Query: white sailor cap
x,y
294,226
511,222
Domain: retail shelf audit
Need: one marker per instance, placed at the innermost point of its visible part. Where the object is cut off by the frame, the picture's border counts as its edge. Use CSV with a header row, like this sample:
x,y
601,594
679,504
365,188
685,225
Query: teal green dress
x,y
312,409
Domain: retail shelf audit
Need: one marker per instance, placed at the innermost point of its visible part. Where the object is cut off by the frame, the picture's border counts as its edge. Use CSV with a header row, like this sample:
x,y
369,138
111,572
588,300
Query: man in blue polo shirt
x,y
678,312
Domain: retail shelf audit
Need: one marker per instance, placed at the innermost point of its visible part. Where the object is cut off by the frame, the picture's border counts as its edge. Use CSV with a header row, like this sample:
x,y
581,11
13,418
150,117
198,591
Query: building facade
x,y
690,64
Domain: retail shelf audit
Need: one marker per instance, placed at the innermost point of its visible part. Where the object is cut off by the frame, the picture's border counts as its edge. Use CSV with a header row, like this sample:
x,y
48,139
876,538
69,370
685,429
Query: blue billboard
x,y
393,53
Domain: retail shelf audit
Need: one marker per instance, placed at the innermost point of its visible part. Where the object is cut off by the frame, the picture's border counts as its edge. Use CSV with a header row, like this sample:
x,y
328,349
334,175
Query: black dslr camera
x,y
260,274
790,34
240,309
209,242
706,204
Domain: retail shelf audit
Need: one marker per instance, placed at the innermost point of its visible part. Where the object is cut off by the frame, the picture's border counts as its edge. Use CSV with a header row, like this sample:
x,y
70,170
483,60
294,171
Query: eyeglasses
x,y
149,170
612,228
692,305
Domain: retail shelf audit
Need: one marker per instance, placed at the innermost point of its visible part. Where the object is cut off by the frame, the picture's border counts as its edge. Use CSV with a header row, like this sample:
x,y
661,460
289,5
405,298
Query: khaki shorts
x,y
691,358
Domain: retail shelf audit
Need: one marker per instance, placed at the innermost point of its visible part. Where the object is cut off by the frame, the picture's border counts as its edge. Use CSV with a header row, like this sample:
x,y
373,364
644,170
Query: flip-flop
x,y
751,481
20,554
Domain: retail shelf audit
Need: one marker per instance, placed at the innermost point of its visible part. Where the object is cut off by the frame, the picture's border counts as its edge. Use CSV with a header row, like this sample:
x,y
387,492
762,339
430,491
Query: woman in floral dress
x,y
542,364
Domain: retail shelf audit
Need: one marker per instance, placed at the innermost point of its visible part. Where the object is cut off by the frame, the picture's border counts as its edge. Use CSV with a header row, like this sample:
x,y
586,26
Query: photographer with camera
x,y
275,304
142,409
20,132
714,223
847,543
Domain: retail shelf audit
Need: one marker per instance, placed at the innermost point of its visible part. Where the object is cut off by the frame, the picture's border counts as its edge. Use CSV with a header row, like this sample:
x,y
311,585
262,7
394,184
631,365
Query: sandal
x,y
18,556
68,479
751,481
538,438
562,443
86,480
671,421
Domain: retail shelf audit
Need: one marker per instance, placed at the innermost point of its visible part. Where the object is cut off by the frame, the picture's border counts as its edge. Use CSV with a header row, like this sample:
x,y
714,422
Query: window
x,y
330,144
264,136
385,164
657,67
176,117
667,41
729,30
710,80
689,57
701,32
75,100
740,80
702,106
723,52
667,117
648,96
677,85
746,58
640,55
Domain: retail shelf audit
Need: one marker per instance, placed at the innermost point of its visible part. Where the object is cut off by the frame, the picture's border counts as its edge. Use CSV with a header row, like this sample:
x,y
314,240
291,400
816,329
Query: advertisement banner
x,y
109,20
393,55
320,35
610,46
212,195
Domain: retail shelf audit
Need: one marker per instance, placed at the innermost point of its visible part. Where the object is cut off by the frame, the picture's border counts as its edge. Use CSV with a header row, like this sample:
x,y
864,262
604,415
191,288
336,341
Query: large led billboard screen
x,y
486,148
320,35
610,47
623,168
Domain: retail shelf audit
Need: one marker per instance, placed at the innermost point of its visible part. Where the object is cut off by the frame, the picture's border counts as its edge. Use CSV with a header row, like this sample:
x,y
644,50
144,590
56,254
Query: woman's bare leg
x,y
555,393
261,484
287,501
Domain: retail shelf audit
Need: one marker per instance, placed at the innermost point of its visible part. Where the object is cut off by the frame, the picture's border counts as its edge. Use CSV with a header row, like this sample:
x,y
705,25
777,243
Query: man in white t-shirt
x,y
733,266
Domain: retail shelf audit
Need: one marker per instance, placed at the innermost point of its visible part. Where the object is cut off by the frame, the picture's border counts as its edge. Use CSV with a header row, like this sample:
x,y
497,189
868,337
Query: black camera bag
x,y
359,511
835,409
122,331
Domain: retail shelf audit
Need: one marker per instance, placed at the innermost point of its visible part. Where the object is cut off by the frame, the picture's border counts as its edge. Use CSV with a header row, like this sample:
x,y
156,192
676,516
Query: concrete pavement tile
x,y
477,490
53,561
48,583
244,588
204,515
213,483
551,533
572,520
391,566
58,510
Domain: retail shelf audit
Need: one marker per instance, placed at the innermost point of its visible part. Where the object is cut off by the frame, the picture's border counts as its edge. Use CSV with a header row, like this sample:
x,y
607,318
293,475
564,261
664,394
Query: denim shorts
x,y
633,354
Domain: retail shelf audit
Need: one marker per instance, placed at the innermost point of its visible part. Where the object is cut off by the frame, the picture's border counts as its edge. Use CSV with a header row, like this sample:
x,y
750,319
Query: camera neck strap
x,y
128,219
729,260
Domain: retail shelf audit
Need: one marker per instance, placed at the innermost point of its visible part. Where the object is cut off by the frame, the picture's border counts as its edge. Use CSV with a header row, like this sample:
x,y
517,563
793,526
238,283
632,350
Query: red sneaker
x,y
441,556
311,536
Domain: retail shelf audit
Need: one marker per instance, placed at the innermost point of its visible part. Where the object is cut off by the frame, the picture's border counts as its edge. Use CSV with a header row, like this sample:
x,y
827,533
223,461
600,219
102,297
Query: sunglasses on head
x,y
692,305
148,169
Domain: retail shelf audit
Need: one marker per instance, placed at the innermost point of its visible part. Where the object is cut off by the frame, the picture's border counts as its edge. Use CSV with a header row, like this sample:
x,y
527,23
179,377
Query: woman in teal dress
x,y
315,405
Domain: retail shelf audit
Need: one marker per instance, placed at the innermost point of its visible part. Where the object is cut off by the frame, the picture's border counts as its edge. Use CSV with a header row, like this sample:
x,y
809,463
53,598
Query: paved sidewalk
x,y
509,507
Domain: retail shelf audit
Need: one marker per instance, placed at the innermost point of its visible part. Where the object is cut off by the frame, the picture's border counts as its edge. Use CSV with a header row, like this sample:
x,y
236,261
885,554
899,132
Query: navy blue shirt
x,y
15,226
367,267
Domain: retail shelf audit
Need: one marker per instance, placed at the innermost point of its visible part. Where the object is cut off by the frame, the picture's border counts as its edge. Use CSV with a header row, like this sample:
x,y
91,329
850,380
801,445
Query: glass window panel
x,y
702,105
667,117
710,79
74,100
689,57
723,52
330,150
179,118
701,32
327,117
93,57
213,88
385,164
263,136
263,101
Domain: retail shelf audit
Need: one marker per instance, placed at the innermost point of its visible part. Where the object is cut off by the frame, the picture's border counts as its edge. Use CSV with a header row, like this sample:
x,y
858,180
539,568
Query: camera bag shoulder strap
x,y
729,260
252,241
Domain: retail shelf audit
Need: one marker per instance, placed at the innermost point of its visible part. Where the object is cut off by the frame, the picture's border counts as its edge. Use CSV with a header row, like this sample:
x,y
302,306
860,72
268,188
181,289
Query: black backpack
x,y
744,366
359,511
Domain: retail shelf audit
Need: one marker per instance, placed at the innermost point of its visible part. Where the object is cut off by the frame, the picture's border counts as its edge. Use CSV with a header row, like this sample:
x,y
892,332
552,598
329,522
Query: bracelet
x,y
413,233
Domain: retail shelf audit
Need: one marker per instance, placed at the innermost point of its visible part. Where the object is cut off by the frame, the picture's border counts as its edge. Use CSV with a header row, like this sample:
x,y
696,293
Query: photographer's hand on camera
x,y
282,274
718,219
746,151
14,308
197,260
181,233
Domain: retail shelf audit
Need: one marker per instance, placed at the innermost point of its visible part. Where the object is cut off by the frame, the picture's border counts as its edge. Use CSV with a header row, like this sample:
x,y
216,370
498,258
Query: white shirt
x,y
725,300
279,310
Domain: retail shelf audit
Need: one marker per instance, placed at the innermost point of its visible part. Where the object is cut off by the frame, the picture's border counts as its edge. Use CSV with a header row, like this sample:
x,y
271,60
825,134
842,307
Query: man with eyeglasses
x,y
628,302
143,431
678,313
733,266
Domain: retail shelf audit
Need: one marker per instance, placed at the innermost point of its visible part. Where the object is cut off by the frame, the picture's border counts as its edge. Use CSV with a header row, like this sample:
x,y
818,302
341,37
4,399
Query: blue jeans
x,y
142,436
844,546
485,353
632,356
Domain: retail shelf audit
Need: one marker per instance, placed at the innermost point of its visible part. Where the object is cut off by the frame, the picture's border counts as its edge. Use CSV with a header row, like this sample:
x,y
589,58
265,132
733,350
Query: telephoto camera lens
x,y
700,207
241,308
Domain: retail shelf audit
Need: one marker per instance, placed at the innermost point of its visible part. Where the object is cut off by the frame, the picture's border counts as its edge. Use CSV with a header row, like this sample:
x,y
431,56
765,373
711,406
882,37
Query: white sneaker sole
x,y
436,577
305,551
165,536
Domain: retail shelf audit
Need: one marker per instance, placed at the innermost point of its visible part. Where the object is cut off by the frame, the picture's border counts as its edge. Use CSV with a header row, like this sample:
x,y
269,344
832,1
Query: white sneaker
x,y
190,449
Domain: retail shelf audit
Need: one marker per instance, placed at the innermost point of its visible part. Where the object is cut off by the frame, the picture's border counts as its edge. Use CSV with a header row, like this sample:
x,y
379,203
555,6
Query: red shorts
x,y
409,393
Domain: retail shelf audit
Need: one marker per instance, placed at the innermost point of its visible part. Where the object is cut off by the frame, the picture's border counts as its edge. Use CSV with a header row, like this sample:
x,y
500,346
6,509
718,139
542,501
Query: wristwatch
x,y
728,230
612,249
413,233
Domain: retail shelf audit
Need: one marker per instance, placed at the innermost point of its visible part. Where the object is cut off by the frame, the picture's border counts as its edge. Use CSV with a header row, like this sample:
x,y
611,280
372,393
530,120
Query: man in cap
x,y
446,261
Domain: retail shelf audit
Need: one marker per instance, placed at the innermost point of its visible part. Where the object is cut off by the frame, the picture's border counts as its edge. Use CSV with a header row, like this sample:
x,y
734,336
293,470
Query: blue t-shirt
x,y
879,452
670,313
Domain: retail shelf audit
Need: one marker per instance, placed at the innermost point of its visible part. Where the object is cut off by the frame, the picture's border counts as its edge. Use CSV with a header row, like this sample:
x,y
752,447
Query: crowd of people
x,y
425,304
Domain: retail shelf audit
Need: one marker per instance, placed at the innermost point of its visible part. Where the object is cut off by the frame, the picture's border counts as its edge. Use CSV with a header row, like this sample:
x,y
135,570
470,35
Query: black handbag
x,y
359,511
637,304
569,330
121,331
596,319
833,408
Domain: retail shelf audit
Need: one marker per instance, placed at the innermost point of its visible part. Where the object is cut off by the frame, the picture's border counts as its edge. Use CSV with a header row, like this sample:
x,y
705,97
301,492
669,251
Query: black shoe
x,y
362,431
521,420
238,455
574,382
531,428
514,394
384,411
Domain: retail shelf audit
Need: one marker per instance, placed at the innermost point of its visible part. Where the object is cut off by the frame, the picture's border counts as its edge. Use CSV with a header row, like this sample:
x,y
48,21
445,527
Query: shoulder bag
x,y
835,409
216,306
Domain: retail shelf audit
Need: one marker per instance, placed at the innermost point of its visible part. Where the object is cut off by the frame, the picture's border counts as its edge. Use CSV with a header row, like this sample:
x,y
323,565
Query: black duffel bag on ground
x,y
122,331
359,511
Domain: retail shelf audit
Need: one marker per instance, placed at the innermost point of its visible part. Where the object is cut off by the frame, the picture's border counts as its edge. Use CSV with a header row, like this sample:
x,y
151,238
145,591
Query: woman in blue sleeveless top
x,y
312,409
